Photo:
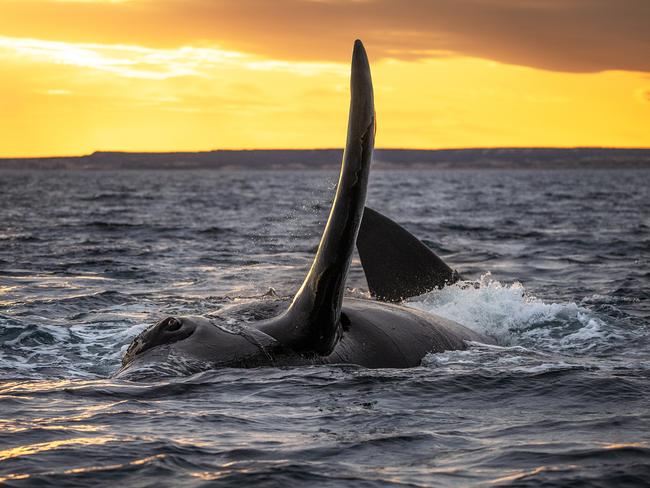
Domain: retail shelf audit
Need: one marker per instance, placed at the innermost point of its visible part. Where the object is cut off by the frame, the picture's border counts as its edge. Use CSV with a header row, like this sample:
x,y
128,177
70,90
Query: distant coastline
x,y
326,159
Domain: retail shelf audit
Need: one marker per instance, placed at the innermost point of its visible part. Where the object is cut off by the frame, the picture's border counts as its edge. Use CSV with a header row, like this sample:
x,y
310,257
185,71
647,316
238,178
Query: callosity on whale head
x,y
198,340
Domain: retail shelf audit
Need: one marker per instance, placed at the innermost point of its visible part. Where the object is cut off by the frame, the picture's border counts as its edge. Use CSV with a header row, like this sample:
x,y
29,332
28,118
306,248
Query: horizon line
x,y
468,148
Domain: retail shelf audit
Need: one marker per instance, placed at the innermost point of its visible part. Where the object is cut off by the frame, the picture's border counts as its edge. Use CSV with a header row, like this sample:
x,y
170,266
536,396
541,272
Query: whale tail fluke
x,y
397,264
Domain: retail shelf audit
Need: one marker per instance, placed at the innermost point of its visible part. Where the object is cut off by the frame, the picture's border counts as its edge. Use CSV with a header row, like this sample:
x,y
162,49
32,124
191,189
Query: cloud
x,y
569,35
149,63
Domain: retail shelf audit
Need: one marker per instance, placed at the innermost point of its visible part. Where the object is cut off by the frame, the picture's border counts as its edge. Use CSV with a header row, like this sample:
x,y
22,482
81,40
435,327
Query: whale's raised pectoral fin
x,y
397,264
312,322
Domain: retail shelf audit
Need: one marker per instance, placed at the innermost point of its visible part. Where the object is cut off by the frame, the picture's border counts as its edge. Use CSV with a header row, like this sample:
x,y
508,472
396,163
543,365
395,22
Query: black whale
x,y
320,325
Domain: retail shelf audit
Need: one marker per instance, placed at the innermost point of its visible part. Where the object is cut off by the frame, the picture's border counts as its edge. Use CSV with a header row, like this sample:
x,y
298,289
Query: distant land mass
x,y
329,159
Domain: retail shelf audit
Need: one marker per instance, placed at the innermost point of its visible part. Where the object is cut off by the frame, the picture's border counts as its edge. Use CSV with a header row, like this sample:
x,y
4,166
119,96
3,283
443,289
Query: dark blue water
x,y
560,264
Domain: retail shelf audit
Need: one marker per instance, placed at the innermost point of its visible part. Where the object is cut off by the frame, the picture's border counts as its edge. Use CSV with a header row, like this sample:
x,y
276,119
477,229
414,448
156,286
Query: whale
x,y
320,324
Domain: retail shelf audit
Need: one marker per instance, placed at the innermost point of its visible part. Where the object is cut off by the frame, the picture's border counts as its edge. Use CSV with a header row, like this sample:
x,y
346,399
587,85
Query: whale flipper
x,y
312,322
397,264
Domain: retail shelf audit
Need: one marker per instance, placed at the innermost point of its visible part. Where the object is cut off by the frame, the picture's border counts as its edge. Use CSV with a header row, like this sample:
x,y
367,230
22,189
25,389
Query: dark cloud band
x,y
559,35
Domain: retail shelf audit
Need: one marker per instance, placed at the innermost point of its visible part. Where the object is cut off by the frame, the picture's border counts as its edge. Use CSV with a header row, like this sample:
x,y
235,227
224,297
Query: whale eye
x,y
173,324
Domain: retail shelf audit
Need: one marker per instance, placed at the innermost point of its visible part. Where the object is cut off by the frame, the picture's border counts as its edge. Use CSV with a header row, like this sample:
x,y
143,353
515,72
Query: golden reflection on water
x,y
624,445
520,474
85,469
15,476
191,442
52,445
3,291
110,467
73,422
40,385
86,412
17,427
227,469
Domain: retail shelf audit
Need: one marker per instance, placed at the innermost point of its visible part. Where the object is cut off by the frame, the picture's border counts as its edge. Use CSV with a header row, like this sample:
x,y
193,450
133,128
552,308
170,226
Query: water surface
x,y
559,268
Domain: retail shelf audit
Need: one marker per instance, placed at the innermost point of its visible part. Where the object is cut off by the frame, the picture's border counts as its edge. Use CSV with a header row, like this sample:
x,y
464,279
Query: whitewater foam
x,y
514,317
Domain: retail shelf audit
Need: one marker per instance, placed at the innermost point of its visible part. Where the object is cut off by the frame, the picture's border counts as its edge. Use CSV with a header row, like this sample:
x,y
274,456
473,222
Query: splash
x,y
514,317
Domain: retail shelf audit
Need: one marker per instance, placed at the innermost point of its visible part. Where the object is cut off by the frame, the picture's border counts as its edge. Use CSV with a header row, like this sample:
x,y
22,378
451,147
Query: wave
x,y
515,317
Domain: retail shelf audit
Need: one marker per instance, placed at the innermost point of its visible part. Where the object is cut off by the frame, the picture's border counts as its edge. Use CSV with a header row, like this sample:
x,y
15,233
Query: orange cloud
x,y
569,35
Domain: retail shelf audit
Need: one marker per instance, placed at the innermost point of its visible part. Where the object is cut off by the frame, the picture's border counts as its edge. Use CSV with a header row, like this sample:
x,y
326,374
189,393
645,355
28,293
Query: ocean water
x,y
557,269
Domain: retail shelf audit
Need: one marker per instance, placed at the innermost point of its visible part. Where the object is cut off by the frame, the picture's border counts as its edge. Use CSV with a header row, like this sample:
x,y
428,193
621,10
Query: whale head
x,y
203,343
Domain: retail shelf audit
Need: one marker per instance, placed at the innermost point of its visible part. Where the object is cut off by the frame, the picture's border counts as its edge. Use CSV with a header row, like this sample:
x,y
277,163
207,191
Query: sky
x,y
77,76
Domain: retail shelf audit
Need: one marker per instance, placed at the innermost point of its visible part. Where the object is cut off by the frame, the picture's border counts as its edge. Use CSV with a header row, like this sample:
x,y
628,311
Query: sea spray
x,y
513,316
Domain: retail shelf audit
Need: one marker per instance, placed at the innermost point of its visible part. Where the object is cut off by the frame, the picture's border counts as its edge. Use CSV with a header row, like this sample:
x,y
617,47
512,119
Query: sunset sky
x,y
172,75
